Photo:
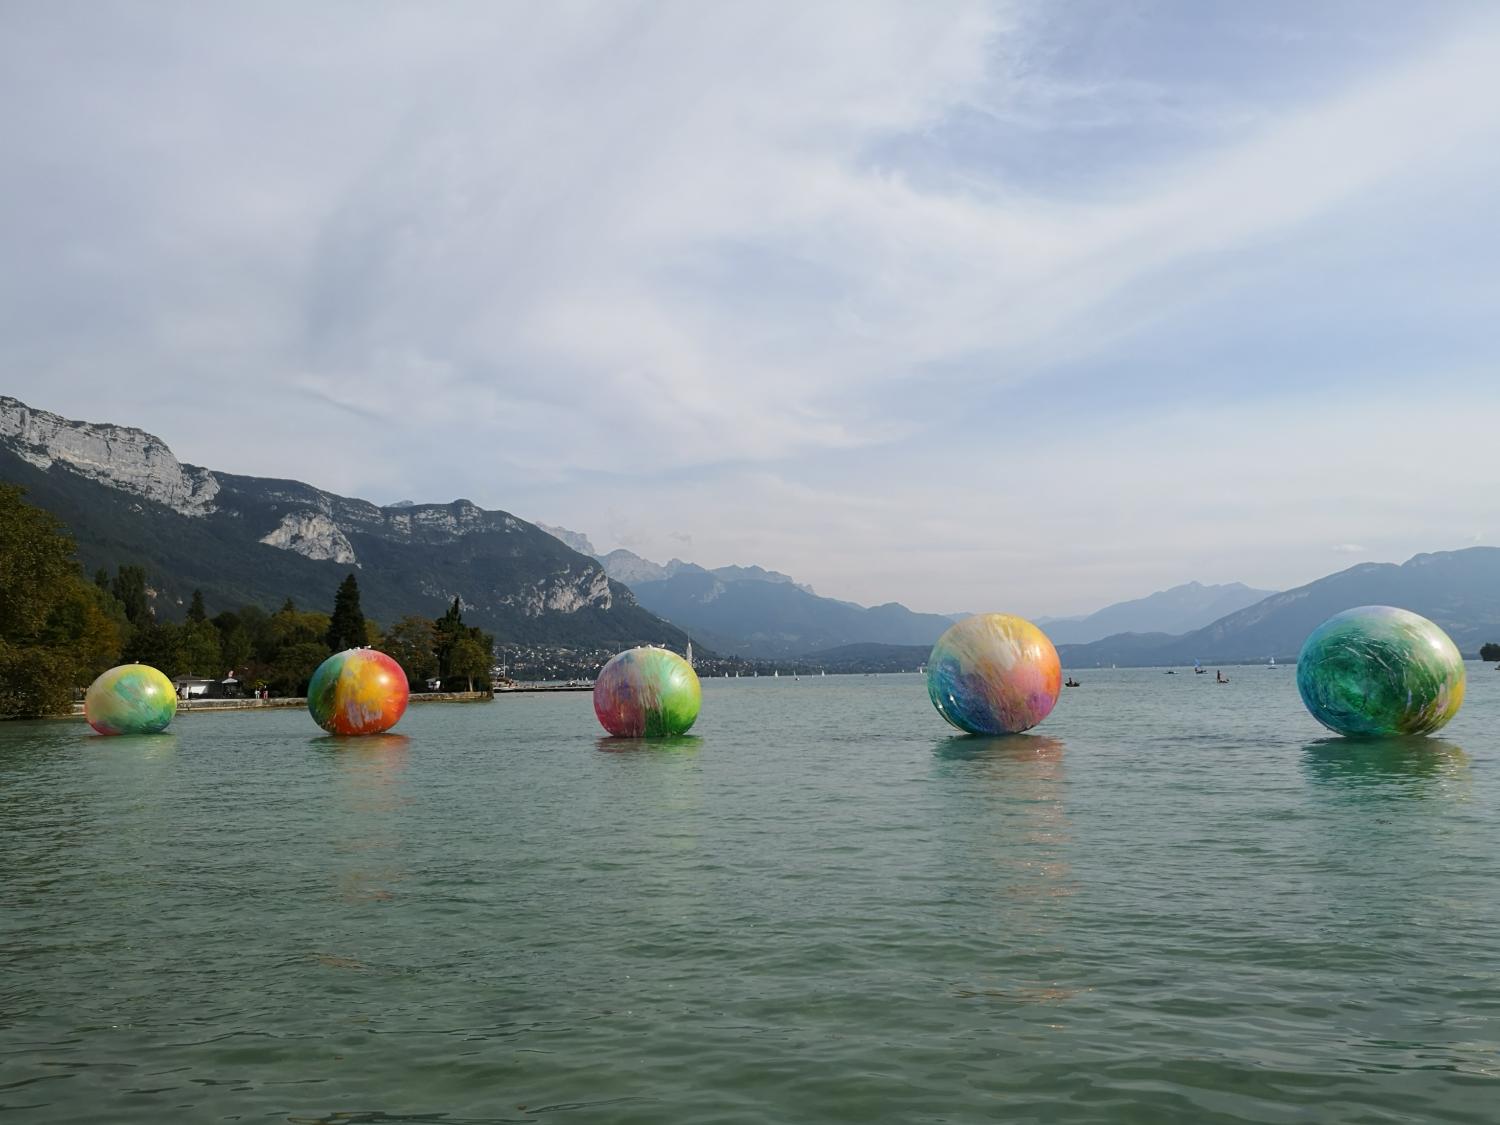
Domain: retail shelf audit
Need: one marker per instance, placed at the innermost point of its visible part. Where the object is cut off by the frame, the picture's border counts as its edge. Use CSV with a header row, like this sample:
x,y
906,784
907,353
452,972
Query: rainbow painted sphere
x,y
1377,670
358,691
994,674
130,699
647,693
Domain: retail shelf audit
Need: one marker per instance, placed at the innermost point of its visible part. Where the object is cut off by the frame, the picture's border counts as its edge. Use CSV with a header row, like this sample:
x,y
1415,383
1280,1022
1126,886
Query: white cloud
x,y
569,254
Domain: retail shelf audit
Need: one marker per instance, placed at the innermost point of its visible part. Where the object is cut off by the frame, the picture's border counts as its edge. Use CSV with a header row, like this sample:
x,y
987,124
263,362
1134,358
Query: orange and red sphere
x,y
358,691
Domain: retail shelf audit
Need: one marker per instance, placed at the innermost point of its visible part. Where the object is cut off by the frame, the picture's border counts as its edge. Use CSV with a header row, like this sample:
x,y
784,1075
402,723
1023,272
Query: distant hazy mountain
x,y
769,619
1460,590
579,543
629,568
754,612
869,658
1178,610
127,499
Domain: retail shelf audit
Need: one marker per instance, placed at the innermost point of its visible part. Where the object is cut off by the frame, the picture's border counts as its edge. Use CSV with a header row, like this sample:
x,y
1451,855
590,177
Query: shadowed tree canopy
x,y
449,634
57,631
411,643
346,628
468,660
129,589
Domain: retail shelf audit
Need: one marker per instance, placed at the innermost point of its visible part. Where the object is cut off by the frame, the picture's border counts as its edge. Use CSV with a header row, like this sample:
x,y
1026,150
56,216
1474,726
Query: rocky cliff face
x,y
311,534
126,498
124,458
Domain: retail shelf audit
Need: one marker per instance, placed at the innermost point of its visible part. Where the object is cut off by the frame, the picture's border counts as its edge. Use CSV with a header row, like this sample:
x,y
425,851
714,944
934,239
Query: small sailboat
x,y
1272,664
1198,669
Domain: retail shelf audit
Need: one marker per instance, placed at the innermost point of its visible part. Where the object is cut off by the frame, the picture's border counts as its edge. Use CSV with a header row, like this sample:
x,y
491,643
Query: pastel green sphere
x,y
647,693
1377,670
130,699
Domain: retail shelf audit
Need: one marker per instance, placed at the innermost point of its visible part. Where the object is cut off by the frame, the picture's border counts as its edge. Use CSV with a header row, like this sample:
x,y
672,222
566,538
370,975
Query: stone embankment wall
x,y
192,705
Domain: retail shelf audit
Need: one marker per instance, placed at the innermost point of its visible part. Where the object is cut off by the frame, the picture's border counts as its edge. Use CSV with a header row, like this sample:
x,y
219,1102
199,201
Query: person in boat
x,y
1220,677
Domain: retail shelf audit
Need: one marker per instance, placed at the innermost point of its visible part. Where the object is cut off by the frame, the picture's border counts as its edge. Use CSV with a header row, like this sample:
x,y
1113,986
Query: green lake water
x,y
1174,901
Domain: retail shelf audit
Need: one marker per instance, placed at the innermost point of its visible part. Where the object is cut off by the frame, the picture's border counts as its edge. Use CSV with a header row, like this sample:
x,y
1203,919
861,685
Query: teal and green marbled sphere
x,y
647,693
130,699
1377,670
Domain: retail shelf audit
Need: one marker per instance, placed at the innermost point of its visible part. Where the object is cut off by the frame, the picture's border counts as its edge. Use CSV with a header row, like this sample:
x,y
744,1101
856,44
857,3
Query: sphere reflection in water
x,y
1401,766
1010,831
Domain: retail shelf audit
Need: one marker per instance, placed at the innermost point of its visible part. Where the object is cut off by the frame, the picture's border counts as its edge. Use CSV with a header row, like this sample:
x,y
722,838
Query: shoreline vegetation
x,y
59,630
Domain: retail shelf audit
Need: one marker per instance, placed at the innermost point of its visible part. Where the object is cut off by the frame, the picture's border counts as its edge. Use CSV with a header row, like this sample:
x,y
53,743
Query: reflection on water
x,y
677,744
140,747
820,912
1004,747
1022,778
1412,766
377,758
371,768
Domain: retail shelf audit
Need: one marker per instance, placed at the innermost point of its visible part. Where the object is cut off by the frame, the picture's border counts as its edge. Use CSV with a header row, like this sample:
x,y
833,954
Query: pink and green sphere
x,y
647,693
994,674
358,691
130,699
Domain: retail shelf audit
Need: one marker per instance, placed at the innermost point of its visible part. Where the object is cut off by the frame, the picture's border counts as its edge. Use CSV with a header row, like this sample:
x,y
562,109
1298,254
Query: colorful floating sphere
x,y
358,691
647,692
130,699
994,674
1377,670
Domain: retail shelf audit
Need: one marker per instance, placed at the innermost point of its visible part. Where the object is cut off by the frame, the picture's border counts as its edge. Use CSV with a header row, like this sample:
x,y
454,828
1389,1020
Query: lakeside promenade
x,y
187,706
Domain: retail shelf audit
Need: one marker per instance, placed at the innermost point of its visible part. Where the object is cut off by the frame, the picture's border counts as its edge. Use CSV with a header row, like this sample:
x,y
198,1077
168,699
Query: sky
x,y
1024,307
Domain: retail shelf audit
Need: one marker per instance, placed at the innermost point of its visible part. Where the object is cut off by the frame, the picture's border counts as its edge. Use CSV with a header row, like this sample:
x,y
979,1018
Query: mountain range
x,y
126,499
1178,610
766,615
1459,590
755,613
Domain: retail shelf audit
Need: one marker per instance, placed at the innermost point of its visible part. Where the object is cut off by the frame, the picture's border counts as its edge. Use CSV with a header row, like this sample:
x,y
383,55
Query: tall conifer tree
x,y
347,627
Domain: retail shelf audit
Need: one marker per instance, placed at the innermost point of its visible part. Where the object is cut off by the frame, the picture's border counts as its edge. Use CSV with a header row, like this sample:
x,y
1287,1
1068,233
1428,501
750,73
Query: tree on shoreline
x,y
57,629
129,589
1489,652
450,631
411,643
346,627
468,660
